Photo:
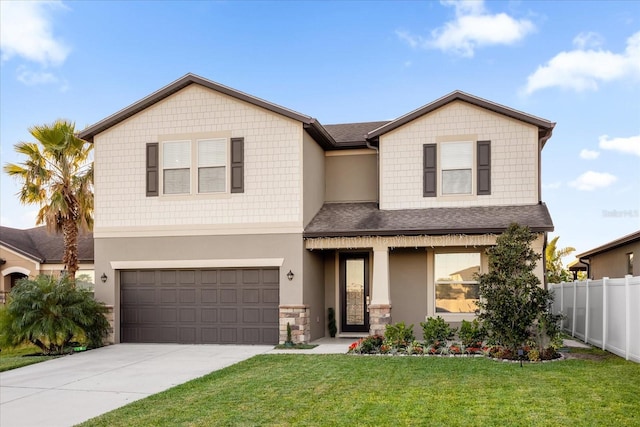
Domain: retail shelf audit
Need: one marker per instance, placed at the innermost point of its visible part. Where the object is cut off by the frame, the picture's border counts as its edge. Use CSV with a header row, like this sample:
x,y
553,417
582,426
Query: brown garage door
x,y
212,306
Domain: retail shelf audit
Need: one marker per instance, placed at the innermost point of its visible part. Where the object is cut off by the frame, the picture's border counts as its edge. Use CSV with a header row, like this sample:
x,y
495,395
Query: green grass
x,y
12,358
336,390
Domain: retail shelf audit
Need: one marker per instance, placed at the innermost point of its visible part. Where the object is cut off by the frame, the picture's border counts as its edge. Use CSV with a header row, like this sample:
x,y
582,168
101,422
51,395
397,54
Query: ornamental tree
x,y
513,305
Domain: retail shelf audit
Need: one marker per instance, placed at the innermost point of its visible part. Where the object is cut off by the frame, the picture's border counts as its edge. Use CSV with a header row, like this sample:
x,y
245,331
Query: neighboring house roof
x,y
330,137
365,219
629,238
545,127
44,247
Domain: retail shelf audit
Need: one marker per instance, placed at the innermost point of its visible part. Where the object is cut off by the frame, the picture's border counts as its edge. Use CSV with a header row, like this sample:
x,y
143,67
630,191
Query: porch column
x,y
380,306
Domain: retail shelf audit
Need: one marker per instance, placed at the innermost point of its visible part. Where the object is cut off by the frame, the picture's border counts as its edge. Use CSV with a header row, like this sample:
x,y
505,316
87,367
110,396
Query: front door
x,y
354,292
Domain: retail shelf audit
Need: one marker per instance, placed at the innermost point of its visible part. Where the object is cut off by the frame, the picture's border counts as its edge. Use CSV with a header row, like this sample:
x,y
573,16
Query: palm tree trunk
x,y
70,233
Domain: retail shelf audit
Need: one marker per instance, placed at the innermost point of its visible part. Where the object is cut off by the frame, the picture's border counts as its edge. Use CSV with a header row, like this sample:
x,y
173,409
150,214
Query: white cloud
x,y
583,69
629,145
590,180
25,31
589,154
31,78
589,39
473,27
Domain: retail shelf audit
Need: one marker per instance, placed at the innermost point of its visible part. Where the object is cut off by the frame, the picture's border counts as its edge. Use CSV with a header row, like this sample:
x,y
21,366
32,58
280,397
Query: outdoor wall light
x,y
290,275
104,277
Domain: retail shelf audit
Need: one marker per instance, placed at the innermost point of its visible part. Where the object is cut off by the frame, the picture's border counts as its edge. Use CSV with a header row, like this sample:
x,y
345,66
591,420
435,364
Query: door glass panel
x,y
355,291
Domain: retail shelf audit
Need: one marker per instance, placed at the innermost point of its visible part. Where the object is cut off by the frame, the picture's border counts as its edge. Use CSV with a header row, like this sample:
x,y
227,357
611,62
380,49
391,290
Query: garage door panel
x,y
187,315
200,306
208,296
187,296
251,315
270,296
251,296
228,315
209,277
168,296
228,296
270,316
228,335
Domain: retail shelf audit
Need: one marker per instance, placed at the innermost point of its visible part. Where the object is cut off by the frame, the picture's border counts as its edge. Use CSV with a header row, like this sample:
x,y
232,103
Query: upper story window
x,y
195,166
456,164
449,168
208,169
630,263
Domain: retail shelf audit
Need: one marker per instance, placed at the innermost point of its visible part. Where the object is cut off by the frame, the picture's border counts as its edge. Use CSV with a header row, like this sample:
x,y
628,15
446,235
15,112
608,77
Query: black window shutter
x,y
152,169
484,168
429,167
237,165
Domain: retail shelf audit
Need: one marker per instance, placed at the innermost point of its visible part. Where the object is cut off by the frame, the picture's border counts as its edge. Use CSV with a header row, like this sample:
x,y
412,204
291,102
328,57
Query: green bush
x,y
51,313
368,345
398,336
436,331
472,334
333,328
512,303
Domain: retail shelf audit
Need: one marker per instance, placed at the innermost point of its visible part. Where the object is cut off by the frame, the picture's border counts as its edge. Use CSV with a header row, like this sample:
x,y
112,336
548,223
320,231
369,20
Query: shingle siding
x,y
514,158
272,164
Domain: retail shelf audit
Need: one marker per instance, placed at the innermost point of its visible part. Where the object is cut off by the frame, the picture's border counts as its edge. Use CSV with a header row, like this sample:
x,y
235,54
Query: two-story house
x,y
221,217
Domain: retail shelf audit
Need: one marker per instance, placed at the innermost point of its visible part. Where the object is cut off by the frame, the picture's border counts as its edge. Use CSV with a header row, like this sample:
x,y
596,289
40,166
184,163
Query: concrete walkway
x,y
74,388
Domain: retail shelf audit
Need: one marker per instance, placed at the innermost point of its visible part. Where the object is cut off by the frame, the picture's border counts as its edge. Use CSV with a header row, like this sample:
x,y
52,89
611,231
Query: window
x,y
456,285
212,161
449,167
456,160
195,166
176,167
630,263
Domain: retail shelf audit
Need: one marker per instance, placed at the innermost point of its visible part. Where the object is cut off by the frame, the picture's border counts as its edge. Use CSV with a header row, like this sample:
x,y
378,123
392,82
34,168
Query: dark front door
x,y
354,292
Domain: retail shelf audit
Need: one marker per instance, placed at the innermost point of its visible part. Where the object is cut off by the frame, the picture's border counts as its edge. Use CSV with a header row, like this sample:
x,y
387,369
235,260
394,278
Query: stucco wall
x,y
351,176
514,158
613,263
313,290
272,166
15,263
408,278
186,251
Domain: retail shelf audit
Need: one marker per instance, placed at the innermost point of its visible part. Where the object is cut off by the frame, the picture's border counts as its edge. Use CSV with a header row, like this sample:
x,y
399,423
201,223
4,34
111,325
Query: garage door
x,y
209,306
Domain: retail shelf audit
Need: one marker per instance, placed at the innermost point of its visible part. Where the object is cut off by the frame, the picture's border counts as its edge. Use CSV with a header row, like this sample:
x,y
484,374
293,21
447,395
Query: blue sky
x,y
574,63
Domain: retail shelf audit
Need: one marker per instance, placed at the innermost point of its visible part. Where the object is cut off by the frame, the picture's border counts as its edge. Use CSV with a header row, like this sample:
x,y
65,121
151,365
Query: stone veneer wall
x,y
298,317
111,319
379,318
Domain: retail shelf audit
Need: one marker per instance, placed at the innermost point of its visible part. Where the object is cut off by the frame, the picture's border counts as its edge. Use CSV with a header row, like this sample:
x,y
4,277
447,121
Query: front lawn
x,y
12,358
318,390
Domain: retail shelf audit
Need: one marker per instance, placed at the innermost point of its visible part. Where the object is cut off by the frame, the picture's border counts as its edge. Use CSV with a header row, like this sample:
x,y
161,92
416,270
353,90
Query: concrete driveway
x,y
74,388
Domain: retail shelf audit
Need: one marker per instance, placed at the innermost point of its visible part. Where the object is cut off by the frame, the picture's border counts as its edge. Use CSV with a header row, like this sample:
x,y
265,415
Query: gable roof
x,y
624,240
40,245
365,219
312,125
330,137
545,127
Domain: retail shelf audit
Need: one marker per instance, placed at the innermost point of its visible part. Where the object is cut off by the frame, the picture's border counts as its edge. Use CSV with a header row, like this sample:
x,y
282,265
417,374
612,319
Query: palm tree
x,y
556,272
57,175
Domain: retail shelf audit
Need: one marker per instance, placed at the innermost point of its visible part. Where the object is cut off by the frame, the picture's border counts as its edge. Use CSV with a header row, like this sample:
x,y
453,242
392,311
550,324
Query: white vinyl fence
x,y
604,313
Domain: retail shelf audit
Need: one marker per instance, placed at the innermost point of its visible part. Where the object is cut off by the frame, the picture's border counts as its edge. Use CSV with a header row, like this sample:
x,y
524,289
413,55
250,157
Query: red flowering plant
x,y
367,345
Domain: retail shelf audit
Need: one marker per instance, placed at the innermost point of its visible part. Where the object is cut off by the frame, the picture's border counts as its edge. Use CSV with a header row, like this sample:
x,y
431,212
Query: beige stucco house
x,y
221,217
34,251
613,259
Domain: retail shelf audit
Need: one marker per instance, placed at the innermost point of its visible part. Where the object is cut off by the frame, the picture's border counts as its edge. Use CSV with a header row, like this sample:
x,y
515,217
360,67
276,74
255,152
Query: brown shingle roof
x,y
365,219
40,245
352,133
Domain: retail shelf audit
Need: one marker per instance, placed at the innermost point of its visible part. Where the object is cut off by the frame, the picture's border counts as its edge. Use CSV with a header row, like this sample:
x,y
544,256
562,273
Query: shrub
x,y
367,345
472,334
333,328
436,332
398,336
51,313
511,298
